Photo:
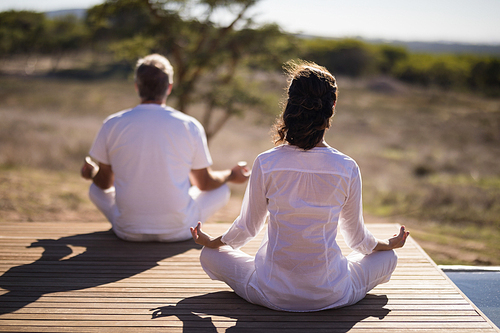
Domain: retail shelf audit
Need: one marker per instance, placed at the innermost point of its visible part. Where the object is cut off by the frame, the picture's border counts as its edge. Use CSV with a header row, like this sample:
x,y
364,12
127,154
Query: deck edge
x,y
488,320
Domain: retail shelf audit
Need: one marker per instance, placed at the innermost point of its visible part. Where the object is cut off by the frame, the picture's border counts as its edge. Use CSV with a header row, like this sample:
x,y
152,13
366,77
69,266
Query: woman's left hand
x,y
399,240
395,242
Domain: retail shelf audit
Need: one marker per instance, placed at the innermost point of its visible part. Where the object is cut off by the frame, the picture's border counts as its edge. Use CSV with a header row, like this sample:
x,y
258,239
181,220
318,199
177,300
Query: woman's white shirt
x,y
308,196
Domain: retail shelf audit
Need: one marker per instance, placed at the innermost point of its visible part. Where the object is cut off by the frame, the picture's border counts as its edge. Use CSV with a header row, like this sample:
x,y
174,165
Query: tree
x,y
64,34
208,56
21,32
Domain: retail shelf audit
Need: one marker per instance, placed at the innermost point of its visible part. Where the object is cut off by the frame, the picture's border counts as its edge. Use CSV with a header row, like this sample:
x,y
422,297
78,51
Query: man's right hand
x,y
89,169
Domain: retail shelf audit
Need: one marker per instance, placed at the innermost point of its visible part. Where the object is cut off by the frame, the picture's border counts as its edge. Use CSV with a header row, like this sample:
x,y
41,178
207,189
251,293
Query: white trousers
x,y
236,269
208,203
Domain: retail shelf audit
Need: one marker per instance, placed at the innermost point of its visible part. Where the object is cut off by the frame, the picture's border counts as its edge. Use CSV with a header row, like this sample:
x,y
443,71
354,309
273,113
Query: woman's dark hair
x,y
309,108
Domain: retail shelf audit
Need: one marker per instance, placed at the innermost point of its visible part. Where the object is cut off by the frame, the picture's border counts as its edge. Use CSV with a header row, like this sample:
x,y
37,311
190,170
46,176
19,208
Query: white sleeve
x,y
202,158
351,223
99,150
253,213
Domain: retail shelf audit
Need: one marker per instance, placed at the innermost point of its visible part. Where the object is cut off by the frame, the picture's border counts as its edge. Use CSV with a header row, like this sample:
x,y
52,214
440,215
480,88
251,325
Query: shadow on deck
x,y
79,277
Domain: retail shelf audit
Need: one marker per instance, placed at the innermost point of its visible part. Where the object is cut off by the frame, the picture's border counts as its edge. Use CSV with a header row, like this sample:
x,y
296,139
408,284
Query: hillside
x,y
411,46
444,47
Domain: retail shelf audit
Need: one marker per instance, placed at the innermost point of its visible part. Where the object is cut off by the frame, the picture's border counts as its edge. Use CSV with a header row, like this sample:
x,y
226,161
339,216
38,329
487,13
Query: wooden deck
x,y
79,277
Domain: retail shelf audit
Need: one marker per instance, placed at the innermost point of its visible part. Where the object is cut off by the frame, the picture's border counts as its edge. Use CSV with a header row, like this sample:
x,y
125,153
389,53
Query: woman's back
x,y
306,191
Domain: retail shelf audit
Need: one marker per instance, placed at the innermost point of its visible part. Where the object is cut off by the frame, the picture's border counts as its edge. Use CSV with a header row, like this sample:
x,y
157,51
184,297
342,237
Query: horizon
x,y
428,21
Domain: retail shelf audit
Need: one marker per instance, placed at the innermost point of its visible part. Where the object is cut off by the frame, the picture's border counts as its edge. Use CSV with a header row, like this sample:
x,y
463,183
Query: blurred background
x,y
418,109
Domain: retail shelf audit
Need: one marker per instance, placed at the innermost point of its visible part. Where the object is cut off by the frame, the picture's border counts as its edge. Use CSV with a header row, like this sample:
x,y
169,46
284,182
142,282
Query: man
x,y
152,179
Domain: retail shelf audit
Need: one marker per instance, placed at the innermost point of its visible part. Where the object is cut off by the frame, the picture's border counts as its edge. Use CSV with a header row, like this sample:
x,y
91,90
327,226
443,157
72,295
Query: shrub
x,y
342,57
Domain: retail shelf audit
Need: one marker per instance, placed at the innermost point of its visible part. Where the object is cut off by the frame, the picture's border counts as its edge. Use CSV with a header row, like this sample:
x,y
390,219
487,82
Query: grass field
x,y
429,159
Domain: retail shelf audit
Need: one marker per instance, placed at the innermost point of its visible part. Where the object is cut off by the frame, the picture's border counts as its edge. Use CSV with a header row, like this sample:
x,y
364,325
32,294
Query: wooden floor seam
x,y
78,277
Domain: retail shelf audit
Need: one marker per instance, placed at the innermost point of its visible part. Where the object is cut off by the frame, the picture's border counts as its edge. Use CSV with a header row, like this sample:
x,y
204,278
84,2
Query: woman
x,y
309,190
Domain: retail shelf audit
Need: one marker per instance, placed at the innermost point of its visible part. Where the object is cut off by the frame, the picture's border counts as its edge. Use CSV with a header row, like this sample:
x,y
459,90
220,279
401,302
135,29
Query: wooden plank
x,y
221,330
198,322
85,279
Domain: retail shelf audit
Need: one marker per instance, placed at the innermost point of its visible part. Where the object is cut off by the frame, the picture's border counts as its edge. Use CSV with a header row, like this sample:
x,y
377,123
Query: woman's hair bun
x,y
315,103
312,93
309,103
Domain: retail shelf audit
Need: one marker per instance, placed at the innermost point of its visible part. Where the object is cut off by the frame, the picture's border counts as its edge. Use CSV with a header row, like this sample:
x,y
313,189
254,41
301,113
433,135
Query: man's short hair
x,y
153,75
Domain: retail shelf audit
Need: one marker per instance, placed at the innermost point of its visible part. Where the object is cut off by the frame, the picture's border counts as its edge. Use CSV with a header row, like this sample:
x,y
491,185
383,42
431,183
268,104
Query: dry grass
x,y
429,159
29,194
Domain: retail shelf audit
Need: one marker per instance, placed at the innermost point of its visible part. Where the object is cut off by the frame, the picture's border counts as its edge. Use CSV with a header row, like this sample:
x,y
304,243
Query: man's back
x,y
152,149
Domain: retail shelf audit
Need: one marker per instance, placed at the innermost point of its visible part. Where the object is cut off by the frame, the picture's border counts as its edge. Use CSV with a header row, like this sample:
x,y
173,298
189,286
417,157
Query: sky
x,y
454,21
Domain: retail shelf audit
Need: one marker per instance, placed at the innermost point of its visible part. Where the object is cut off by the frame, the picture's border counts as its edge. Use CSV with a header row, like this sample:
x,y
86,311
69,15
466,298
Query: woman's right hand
x,y
199,236
202,238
